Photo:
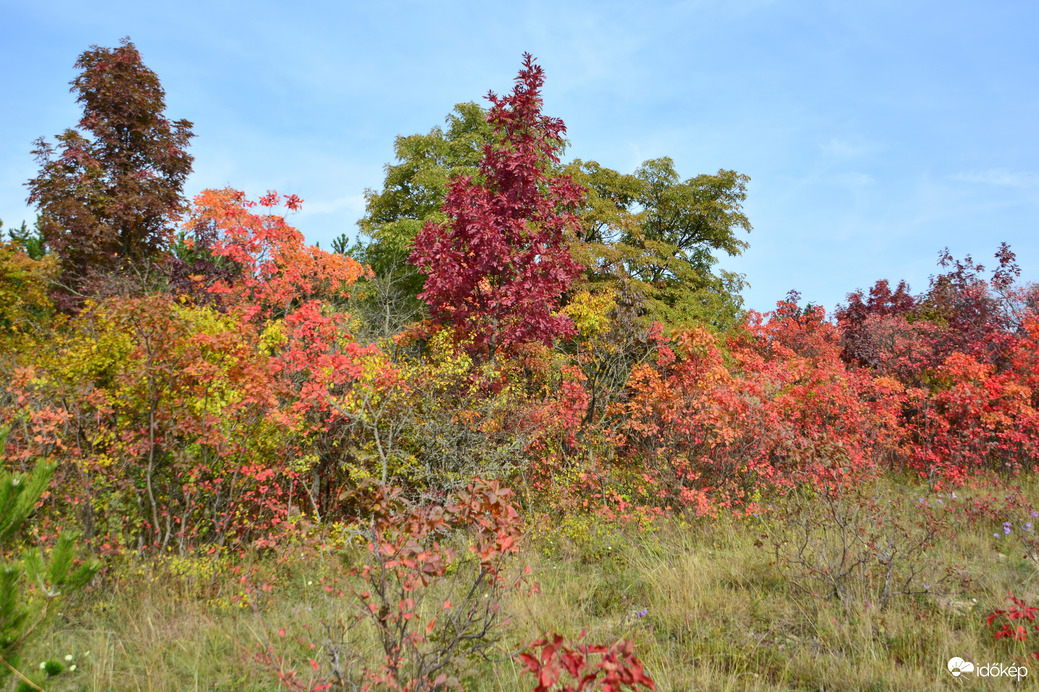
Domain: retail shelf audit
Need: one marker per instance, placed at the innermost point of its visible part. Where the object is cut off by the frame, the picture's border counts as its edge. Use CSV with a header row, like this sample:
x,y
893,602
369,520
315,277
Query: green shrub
x,y
52,576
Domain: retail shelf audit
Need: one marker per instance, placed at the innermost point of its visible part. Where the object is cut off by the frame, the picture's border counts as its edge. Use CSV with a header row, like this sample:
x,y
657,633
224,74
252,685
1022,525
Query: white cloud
x,y
999,176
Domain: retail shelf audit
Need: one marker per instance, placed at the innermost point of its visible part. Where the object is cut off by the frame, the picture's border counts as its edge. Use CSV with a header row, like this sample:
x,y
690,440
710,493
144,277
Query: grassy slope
x,y
719,614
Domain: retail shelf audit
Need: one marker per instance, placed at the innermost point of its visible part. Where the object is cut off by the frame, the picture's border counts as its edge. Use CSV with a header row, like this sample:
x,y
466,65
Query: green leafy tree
x,y
659,236
107,200
413,192
415,188
53,576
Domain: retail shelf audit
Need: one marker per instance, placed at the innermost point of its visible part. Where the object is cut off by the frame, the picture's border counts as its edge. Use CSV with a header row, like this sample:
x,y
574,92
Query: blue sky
x,y
875,134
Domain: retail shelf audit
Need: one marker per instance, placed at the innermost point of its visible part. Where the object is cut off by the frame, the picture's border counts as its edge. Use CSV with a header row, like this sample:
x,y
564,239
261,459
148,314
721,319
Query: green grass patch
x,y
706,603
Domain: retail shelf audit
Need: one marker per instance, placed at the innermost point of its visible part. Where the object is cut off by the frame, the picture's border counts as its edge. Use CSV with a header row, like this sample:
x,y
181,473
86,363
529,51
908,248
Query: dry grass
x,y
718,615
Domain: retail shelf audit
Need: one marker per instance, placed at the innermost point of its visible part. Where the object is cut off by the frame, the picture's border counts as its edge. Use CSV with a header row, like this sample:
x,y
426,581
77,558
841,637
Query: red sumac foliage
x,y
589,666
714,427
973,417
1016,623
278,269
290,292
964,352
858,318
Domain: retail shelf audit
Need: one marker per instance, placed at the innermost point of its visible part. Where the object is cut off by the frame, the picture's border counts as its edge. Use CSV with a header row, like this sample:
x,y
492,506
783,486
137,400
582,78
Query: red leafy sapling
x,y
430,605
568,669
496,270
1017,623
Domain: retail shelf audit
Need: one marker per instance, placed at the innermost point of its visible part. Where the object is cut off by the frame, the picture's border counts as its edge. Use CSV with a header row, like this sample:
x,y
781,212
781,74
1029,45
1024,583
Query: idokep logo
x,y
957,666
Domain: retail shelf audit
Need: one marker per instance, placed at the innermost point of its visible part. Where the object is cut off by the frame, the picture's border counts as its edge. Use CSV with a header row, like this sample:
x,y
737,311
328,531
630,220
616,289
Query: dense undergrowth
x,y
705,603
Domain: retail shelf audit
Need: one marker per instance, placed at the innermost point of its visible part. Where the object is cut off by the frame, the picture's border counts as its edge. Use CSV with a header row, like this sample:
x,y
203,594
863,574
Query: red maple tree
x,y
497,269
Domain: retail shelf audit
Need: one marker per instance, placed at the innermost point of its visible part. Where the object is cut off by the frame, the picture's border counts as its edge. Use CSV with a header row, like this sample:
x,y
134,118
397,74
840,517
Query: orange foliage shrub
x,y
718,427
176,423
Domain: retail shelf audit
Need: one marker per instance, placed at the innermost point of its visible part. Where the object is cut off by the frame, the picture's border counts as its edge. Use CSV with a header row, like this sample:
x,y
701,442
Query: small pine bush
x,y
54,575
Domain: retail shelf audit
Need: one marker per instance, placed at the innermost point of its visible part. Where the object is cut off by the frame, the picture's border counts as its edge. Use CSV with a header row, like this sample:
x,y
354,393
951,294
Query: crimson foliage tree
x,y
497,269
108,199
859,319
